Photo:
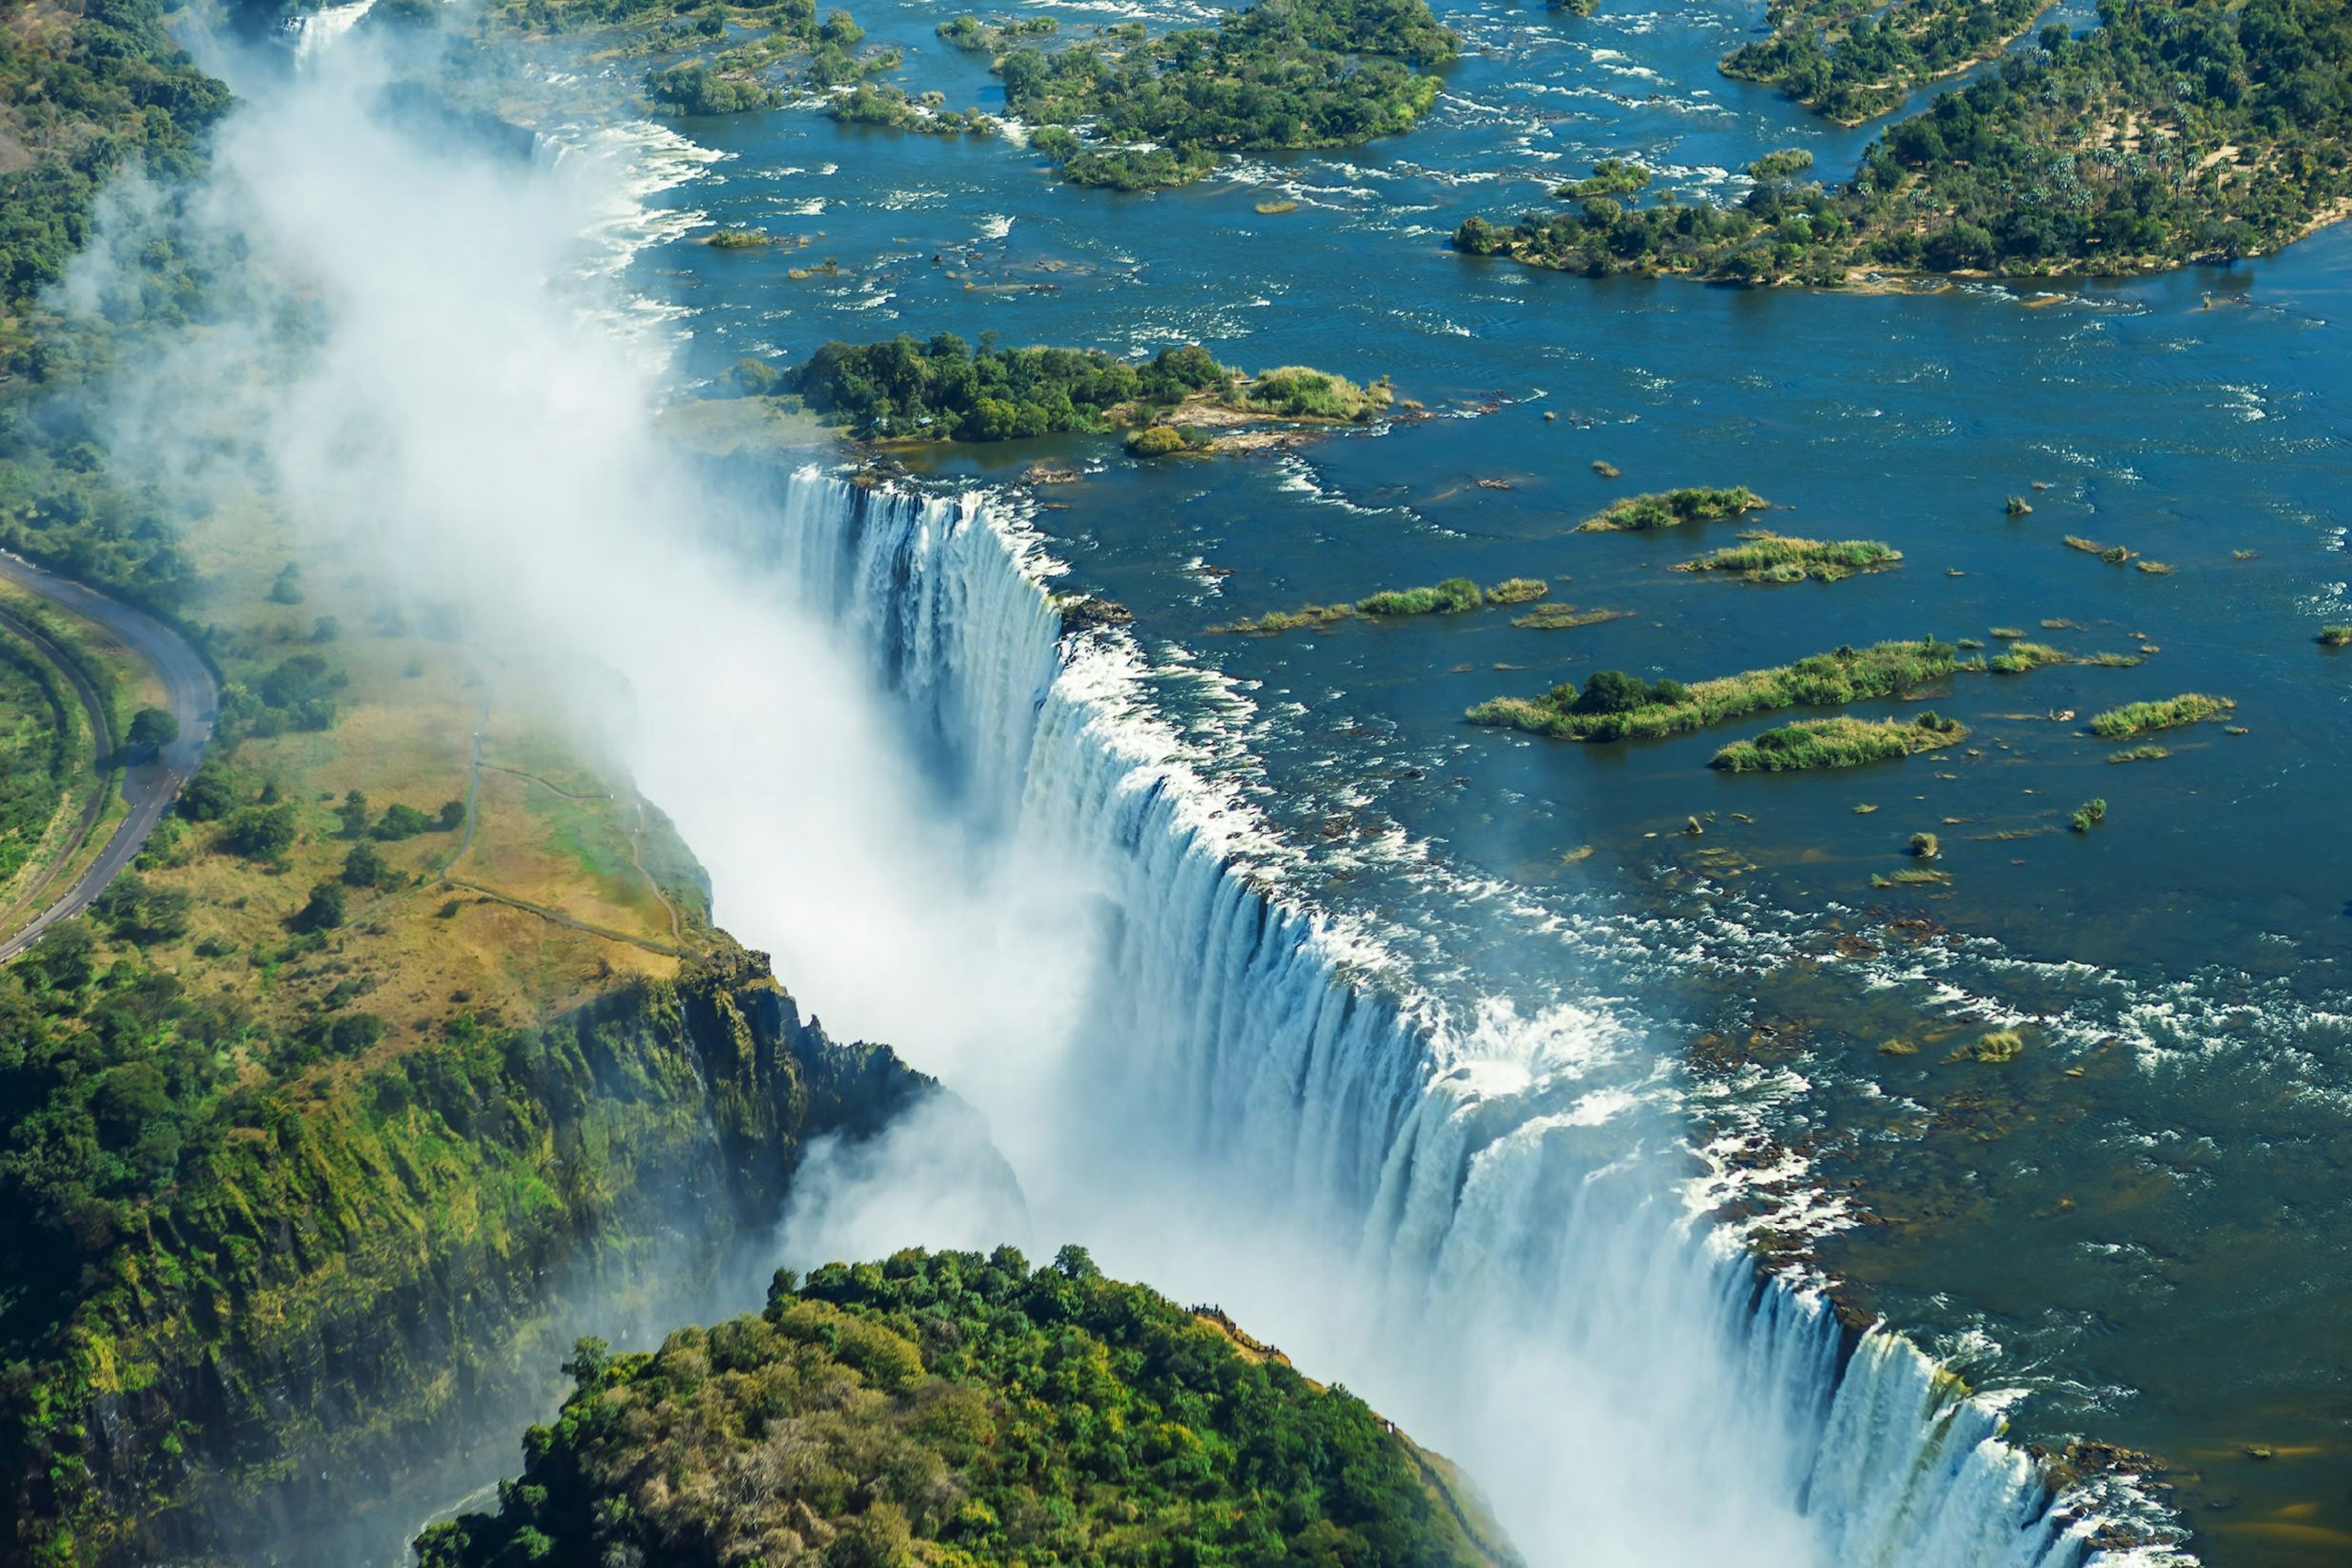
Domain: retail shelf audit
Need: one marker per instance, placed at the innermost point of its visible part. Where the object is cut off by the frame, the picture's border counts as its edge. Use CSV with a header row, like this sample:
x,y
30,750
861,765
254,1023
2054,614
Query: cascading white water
x,y
1490,1184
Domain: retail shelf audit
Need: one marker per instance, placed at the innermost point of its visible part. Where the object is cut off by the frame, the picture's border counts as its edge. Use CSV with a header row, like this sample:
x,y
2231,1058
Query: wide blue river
x,y
2142,1221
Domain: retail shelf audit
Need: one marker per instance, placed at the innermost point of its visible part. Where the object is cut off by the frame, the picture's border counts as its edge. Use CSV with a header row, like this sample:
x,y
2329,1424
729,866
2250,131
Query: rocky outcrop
x,y
340,1328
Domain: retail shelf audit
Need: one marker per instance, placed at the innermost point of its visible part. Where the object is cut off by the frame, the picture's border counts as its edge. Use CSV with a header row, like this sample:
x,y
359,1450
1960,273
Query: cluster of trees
x,y
732,82
1284,74
2177,130
1849,62
297,693
947,389
957,1408
87,93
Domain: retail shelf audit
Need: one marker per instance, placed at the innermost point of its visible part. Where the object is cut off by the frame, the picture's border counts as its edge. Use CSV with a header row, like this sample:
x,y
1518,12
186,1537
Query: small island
x,y
2146,717
1613,705
2090,156
957,1409
1125,110
1849,65
1838,742
945,389
1763,556
1672,508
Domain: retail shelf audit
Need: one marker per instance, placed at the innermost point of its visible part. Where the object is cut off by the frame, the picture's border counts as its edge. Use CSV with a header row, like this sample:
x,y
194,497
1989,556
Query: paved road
x,y
149,787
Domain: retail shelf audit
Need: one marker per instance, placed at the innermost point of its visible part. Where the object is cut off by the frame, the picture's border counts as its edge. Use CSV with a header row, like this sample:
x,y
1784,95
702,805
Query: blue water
x,y
2158,1247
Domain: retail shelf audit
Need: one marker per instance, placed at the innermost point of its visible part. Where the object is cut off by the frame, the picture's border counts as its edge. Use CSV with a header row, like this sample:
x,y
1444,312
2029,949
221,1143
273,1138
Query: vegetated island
x,y
1849,64
734,48
1672,508
2170,713
1126,109
1613,705
1840,742
946,389
1762,556
1454,596
2177,131
956,1409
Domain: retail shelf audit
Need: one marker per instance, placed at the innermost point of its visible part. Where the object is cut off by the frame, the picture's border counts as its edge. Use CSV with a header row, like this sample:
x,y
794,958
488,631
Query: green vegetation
x,y
1850,63
1672,508
42,749
2153,568
1313,617
2113,554
866,104
740,239
2148,754
1164,441
2141,718
1451,597
2019,657
976,37
1767,557
944,389
2089,815
2115,660
1838,742
1924,846
2336,637
952,1408
1517,591
1289,75
1565,617
2177,130
1613,706
84,92
1913,876
1998,1046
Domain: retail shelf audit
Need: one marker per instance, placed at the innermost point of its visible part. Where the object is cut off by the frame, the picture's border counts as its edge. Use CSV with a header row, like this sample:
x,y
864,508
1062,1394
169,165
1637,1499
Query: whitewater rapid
x,y
1489,1185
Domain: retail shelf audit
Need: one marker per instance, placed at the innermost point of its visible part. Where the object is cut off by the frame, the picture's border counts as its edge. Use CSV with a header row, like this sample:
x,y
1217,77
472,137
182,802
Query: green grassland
x,y
1762,556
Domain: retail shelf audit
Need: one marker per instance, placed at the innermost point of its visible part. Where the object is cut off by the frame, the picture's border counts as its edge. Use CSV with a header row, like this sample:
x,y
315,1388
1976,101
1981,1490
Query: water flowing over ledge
x,y
1490,1183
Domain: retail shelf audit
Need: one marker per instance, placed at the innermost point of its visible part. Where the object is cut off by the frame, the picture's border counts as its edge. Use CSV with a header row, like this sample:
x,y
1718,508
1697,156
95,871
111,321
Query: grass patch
x,y
1451,597
2115,660
1763,556
2154,568
2009,634
1565,617
2000,1045
2149,753
1614,706
1913,878
1839,742
1313,617
1517,591
2088,814
2141,718
1672,508
2019,657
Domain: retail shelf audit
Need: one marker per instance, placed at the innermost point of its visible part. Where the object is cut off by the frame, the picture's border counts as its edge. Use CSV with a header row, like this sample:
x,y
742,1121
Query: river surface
x,y
2141,1222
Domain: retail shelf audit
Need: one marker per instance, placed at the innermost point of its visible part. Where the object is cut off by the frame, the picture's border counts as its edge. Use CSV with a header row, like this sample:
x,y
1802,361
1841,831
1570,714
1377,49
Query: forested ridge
x,y
961,1410
2177,130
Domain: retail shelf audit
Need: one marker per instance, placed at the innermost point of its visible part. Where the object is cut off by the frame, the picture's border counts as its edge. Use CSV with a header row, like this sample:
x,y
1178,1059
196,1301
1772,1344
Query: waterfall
x,y
1484,1174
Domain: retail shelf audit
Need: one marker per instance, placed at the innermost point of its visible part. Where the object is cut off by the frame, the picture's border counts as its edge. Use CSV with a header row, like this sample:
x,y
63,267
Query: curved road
x,y
151,787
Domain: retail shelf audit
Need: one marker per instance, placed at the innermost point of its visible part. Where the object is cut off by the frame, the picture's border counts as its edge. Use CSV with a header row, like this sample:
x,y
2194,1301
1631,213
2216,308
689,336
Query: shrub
x,y
2089,815
261,832
325,910
1517,591
2336,637
1155,441
1924,846
399,822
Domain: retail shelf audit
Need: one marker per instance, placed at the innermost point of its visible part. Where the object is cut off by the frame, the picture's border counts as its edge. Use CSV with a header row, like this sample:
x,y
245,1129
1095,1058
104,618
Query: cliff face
x,y
291,1360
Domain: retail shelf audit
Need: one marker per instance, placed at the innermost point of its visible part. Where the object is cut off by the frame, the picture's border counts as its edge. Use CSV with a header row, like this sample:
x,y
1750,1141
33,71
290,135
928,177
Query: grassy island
x,y
1614,706
2019,657
1565,617
944,389
1766,557
1128,111
2145,718
2176,132
1672,508
954,1409
1451,597
1838,742
732,52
